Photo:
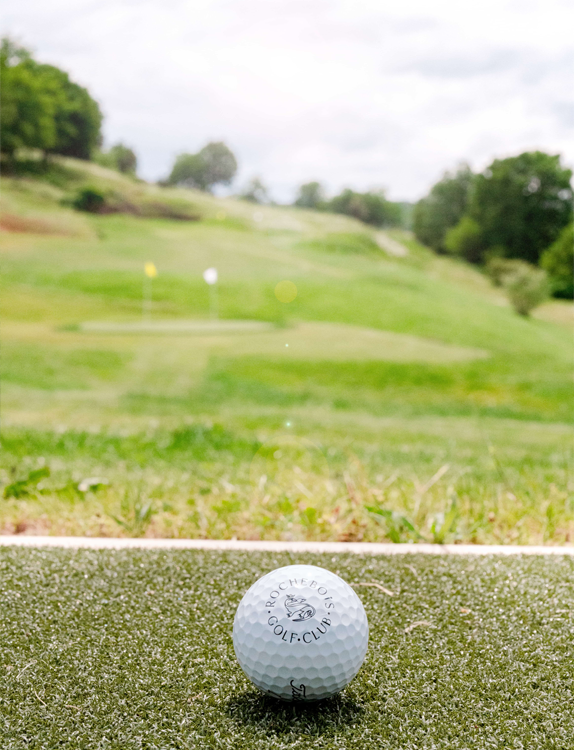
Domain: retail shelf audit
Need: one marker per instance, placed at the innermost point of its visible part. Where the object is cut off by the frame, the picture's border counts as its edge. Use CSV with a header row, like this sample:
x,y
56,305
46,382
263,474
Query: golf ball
x,y
300,633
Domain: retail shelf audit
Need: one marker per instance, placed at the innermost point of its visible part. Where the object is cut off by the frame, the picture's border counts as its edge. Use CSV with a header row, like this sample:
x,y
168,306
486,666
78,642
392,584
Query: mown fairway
x,y
403,385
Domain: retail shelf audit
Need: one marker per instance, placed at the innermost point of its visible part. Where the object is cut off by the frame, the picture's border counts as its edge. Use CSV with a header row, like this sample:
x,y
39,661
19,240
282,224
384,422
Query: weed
x,y
28,485
398,527
136,514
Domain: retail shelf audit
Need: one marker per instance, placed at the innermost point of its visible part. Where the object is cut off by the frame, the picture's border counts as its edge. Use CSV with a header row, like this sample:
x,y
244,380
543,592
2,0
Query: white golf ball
x,y
300,633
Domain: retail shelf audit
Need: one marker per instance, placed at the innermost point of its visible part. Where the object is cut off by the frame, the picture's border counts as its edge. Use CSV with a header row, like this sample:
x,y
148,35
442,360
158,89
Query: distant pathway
x,y
76,542
391,246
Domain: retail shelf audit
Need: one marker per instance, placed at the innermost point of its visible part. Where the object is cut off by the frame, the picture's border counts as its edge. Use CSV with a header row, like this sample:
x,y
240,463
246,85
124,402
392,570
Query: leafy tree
x,y
214,164
255,191
372,208
77,116
442,208
125,158
465,240
311,195
558,261
187,171
119,157
42,108
522,204
27,114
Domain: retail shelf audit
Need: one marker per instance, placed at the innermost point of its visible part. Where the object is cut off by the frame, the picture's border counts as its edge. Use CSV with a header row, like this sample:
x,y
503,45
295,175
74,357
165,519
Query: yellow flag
x,y
150,270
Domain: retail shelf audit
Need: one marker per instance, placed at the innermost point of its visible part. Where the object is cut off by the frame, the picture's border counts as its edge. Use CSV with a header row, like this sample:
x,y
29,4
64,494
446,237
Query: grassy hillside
x,y
381,372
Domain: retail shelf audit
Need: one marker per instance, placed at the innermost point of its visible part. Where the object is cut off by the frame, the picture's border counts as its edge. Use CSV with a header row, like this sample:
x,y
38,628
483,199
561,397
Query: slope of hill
x,y
377,349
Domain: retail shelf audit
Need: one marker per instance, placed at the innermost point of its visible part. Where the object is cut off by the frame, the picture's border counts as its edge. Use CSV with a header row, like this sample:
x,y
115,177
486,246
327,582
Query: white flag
x,y
210,275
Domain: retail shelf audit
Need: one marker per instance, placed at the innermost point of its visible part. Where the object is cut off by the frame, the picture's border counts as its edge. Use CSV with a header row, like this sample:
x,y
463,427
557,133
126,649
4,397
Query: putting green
x,y
213,327
309,341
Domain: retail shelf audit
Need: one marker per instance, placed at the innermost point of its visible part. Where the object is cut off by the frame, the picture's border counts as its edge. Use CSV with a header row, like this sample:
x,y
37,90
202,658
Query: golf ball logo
x,y
298,608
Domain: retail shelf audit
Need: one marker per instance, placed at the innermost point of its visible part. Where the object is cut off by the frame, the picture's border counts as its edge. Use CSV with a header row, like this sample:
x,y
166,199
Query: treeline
x,y
370,207
515,215
514,218
215,164
44,110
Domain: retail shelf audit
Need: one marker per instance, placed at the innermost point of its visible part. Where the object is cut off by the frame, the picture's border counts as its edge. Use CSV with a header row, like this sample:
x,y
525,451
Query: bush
x,y
558,261
464,240
89,199
498,268
526,288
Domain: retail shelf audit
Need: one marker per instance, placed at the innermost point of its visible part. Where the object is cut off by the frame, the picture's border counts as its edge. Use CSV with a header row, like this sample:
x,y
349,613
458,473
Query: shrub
x,y
526,288
89,199
498,268
464,240
558,261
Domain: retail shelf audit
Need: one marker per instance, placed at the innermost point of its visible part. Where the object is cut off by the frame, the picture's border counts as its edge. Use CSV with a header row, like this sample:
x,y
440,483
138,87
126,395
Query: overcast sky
x,y
358,93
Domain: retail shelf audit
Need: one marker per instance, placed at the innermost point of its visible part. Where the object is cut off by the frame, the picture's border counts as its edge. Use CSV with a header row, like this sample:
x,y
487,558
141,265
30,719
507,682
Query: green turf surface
x,y
383,369
132,649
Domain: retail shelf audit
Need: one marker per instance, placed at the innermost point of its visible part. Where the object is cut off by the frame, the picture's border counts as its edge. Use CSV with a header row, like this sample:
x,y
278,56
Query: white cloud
x,y
354,92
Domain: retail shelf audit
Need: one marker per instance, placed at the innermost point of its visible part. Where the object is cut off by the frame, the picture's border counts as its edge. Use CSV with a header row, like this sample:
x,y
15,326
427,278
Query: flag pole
x,y
210,277
150,273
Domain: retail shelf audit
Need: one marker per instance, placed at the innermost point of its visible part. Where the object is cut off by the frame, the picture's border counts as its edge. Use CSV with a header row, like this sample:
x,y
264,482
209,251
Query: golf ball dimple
x,y
300,633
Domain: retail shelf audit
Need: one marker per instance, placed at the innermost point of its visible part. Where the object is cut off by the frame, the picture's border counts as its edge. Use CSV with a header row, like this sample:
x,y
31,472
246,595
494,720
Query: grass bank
x,y
404,384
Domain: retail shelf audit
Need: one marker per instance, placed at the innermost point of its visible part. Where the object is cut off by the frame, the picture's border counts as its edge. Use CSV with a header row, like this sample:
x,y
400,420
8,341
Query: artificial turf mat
x,y
132,649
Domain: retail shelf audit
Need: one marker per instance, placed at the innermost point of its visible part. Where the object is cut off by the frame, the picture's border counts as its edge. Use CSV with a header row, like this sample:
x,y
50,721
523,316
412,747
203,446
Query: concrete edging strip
x,y
232,545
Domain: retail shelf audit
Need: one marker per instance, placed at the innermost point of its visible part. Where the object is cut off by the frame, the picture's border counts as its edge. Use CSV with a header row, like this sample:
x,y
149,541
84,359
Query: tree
x,y
27,114
214,164
119,157
43,109
125,158
255,191
186,171
522,204
558,262
311,195
77,116
442,208
372,208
